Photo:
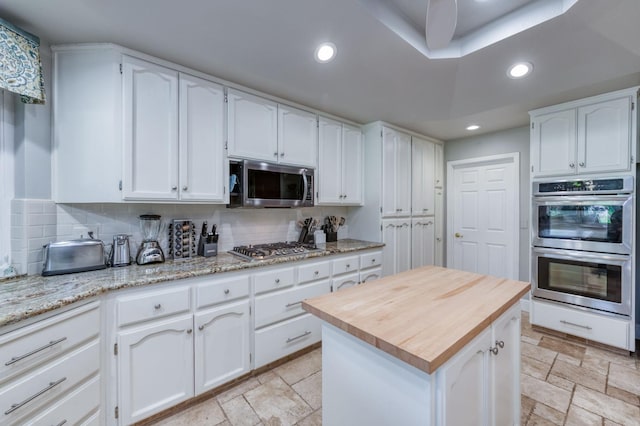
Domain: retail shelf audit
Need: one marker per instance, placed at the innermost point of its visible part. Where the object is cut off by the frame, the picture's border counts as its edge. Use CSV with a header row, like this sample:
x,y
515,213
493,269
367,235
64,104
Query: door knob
x,y
458,235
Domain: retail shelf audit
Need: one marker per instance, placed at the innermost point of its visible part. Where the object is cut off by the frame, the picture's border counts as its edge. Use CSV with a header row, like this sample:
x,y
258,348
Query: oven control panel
x,y
585,186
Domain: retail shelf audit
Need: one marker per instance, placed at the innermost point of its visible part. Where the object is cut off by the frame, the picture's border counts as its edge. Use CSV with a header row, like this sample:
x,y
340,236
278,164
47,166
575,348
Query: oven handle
x,y
581,255
542,200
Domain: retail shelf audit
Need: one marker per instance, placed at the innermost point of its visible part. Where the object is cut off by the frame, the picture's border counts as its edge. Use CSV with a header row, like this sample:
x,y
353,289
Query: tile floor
x,y
563,383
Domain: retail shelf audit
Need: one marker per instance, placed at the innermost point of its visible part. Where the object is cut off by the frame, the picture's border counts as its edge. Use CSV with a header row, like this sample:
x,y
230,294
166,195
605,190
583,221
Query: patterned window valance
x,y
20,66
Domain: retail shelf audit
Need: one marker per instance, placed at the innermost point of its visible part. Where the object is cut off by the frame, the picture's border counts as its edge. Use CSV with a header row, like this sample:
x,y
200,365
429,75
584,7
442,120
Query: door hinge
x,y
380,133
115,349
120,185
532,124
250,357
116,412
381,227
249,309
633,105
531,169
224,190
226,145
226,98
120,68
380,209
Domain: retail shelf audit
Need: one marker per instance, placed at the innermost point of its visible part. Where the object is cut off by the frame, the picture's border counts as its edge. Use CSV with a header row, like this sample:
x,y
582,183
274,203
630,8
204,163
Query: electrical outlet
x,y
82,231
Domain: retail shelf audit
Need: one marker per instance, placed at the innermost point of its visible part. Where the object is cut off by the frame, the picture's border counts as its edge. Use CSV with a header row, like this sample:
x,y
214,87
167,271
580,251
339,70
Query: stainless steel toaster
x,y
65,257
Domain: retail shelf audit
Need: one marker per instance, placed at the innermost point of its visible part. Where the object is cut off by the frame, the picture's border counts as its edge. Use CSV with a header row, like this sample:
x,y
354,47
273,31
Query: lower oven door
x,y
593,280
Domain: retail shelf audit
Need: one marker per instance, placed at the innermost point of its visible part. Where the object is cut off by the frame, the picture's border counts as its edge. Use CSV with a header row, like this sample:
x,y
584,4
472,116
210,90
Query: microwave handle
x,y
306,186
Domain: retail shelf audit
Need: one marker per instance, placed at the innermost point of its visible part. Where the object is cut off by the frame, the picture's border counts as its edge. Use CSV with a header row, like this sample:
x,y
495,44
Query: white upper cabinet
x,y
203,165
150,131
340,163
259,129
594,135
423,177
252,126
396,172
297,136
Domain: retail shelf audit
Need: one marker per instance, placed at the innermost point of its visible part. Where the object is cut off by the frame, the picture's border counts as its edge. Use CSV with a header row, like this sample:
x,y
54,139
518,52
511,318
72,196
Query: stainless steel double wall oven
x,y
582,242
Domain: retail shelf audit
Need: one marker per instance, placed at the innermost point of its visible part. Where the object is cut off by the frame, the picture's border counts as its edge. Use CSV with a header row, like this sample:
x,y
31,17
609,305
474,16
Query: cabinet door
x,y
422,177
604,136
439,165
422,242
252,127
155,367
553,144
346,281
403,175
403,245
438,256
389,137
389,238
463,382
150,131
221,345
329,162
504,368
203,165
370,275
352,165
297,137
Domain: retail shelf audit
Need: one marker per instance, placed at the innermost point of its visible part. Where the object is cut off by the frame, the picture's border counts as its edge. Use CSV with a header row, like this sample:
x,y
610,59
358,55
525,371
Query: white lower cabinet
x,y
487,366
345,281
422,242
370,275
51,369
222,342
287,337
396,235
155,368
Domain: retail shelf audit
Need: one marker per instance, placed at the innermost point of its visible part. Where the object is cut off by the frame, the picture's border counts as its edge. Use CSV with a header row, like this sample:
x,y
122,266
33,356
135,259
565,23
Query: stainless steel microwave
x,y
255,184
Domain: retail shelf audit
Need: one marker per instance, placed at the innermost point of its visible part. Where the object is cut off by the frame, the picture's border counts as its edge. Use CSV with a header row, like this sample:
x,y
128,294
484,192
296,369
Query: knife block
x,y
210,249
332,237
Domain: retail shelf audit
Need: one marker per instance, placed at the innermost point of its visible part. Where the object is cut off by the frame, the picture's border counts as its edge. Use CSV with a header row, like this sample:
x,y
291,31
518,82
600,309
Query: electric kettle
x,y
120,251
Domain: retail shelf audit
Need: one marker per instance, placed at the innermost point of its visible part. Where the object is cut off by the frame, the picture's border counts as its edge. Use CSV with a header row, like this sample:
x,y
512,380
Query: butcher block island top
x,y
423,316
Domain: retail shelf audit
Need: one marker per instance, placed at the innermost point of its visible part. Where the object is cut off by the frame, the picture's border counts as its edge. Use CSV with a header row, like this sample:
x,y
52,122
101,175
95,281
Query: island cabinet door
x,y
462,384
504,363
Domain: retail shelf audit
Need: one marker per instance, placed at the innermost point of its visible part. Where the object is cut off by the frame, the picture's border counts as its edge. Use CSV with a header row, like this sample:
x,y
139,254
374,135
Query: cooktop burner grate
x,y
272,250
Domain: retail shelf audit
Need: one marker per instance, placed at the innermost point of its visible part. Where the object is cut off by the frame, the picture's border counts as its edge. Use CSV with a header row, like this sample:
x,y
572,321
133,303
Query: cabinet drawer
x,y
346,281
370,260
219,291
599,328
272,308
133,309
72,408
282,339
370,275
314,271
32,345
31,392
346,265
273,280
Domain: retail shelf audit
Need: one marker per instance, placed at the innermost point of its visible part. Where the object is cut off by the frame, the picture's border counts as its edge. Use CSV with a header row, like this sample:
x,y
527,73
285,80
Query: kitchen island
x,y
430,346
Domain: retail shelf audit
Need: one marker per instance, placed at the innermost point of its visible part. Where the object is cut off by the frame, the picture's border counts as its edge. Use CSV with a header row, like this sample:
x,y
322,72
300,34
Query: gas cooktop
x,y
273,250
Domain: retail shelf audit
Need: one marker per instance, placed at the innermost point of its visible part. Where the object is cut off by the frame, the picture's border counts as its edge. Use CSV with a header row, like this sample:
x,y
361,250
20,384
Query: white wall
x,y
503,142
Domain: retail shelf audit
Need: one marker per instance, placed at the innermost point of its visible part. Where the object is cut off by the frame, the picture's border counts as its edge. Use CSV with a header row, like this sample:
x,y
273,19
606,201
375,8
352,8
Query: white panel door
x,y
422,177
297,137
221,345
252,126
483,215
155,367
203,160
150,131
604,136
422,242
329,162
352,165
553,144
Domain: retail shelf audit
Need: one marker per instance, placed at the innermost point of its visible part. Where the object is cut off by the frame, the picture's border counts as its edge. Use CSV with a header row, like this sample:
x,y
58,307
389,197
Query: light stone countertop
x,y
25,297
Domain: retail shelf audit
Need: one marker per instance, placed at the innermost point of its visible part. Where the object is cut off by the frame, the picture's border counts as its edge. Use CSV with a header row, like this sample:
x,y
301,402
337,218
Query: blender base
x,y
149,252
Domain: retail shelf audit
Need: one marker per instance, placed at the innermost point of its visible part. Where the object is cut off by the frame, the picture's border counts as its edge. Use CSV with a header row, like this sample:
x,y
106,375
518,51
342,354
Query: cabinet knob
x,y
572,165
344,196
581,164
316,273
189,331
348,265
277,280
282,154
398,210
158,306
201,327
226,291
458,235
438,239
494,350
275,154
373,261
500,343
185,188
174,188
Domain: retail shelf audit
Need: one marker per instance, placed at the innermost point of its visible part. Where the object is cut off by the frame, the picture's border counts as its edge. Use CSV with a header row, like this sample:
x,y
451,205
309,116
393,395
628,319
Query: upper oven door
x,y
600,223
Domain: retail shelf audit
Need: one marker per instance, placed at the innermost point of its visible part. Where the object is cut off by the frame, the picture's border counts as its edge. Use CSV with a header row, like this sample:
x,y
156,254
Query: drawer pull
x,y
158,306
277,280
189,331
35,351
288,305
201,327
226,291
291,339
348,265
586,327
373,261
62,422
316,273
52,385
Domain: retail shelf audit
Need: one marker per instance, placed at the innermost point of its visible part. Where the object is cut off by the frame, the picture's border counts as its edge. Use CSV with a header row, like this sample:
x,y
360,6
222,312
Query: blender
x,y
150,251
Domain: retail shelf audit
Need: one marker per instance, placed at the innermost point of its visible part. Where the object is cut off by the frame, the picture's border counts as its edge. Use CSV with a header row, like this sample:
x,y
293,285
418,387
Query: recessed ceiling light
x,y
519,70
325,52
473,127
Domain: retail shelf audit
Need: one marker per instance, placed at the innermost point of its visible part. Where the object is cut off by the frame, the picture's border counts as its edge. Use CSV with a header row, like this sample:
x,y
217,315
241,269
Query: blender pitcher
x,y
150,251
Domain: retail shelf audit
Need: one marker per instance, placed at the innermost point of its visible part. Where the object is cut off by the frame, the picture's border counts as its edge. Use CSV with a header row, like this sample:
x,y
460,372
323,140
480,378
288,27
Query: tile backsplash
x,y
38,222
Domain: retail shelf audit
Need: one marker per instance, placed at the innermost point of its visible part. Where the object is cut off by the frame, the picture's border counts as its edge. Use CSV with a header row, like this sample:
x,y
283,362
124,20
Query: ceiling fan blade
x,y
442,16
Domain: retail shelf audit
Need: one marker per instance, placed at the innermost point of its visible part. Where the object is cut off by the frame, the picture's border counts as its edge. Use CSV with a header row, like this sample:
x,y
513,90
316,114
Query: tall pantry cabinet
x,y
402,197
